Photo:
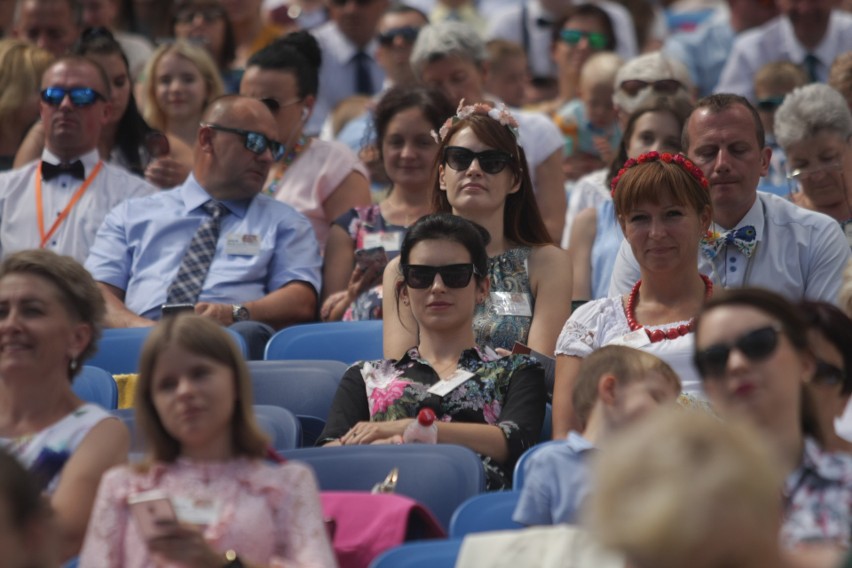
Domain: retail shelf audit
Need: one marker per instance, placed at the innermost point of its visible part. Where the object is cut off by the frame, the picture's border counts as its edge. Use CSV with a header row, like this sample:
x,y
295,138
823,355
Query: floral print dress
x,y
508,392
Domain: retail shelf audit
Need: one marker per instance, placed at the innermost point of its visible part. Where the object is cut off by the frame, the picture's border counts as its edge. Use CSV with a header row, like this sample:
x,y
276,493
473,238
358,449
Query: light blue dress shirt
x,y
704,50
141,244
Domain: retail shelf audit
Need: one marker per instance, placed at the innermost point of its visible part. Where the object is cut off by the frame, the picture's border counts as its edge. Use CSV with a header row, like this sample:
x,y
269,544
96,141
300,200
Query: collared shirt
x,y
556,482
337,73
141,245
776,41
799,254
18,207
704,50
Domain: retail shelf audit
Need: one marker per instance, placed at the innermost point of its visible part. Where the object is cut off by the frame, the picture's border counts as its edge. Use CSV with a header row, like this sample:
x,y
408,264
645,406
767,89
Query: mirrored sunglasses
x,y
769,104
452,275
663,86
756,345
254,141
491,161
407,33
596,40
80,96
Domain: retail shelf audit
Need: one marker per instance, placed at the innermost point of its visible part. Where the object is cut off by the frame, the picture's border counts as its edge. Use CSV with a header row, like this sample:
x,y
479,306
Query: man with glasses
x,y
59,201
756,239
213,246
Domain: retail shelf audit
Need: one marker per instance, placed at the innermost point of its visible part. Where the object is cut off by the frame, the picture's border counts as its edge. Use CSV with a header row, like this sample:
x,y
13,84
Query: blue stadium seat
x,y
346,341
518,475
486,512
425,554
96,385
439,476
282,426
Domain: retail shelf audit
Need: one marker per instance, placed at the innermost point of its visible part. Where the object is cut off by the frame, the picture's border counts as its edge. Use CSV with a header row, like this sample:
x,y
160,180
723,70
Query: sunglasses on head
x,y
274,105
756,345
491,161
80,96
210,14
407,33
452,275
254,141
769,104
664,86
596,40
828,374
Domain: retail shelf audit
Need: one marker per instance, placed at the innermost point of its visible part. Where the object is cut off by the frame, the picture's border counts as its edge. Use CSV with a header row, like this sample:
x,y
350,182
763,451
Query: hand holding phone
x,y
153,513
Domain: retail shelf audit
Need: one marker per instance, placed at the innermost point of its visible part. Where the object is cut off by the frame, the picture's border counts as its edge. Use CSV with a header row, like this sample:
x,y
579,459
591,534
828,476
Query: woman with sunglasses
x,y
483,176
205,22
752,350
662,203
493,406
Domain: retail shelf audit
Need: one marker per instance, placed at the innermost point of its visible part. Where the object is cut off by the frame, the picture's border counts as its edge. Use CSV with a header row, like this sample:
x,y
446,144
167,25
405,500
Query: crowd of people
x,y
613,207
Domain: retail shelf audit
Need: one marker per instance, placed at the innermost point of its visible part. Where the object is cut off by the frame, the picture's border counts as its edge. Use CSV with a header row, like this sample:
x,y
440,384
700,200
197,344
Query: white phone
x,y
153,513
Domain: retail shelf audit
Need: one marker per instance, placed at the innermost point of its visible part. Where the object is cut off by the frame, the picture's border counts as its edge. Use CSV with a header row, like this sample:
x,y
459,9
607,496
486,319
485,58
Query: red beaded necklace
x,y
661,334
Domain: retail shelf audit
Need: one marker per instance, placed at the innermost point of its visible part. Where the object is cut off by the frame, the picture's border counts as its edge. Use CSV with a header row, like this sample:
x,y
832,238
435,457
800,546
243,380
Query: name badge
x,y
242,244
636,339
389,241
196,511
445,387
511,304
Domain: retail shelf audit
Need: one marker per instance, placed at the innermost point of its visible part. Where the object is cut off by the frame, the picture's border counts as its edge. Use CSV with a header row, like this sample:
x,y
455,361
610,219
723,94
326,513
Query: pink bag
x,y
363,525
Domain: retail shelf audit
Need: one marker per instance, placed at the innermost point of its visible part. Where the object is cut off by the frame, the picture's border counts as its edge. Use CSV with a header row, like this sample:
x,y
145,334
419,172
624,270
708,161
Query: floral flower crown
x,y
500,113
678,159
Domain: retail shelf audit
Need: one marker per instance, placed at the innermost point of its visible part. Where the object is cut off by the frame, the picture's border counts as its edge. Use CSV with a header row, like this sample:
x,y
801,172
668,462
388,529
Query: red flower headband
x,y
678,159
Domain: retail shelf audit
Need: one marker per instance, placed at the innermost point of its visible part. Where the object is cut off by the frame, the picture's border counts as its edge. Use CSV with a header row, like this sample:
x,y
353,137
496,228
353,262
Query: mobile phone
x,y
153,513
371,258
175,309
157,144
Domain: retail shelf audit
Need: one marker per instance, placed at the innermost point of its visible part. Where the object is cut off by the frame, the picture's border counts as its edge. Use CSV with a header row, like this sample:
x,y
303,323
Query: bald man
x,y
213,244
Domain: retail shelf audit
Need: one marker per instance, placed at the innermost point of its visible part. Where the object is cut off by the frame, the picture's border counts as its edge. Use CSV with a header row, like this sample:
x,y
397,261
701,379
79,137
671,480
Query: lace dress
x,y
498,322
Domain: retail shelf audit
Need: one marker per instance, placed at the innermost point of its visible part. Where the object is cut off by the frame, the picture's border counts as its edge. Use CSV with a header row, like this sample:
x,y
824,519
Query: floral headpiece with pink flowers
x,y
647,157
500,113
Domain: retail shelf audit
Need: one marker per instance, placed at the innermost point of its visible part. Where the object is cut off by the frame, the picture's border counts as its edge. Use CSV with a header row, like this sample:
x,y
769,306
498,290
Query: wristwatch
x,y
231,558
239,312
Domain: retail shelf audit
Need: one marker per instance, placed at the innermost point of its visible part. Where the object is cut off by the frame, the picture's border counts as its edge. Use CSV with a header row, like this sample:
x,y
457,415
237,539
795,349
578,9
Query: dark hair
x,y
20,492
522,222
652,180
719,102
132,128
836,327
229,43
298,53
452,228
431,102
588,11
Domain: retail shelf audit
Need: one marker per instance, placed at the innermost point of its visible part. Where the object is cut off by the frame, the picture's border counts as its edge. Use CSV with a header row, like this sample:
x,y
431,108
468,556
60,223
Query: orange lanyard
x,y
65,212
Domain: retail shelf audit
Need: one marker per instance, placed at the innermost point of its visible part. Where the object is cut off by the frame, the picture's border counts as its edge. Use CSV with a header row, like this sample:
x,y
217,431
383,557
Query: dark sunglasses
x,y
769,103
254,141
664,86
80,96
491,161
452,275
828,374
756,345
596,40
407,33
274,105
209,15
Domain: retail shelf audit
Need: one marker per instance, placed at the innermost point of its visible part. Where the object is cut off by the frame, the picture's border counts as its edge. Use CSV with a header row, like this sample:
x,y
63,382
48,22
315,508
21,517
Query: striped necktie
x,y
189,281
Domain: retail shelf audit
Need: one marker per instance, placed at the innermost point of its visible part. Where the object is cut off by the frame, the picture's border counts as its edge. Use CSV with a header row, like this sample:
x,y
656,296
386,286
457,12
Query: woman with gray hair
x,y
450,57
814,127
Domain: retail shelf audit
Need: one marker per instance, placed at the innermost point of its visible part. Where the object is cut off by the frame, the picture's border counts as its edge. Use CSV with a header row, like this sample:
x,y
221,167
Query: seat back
x,y
440,476
283,427
426,554
93,384
518,475
345,341
486,512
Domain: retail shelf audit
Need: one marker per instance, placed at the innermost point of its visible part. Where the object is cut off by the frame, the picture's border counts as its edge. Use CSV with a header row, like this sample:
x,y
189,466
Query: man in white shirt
x,y
808,33
59,202
795,252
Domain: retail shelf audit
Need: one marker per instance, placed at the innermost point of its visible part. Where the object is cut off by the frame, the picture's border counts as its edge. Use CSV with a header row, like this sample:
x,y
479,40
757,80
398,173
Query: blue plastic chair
x,y
281,425
305,388
486,512
518,475
119,349
425,554
346,341
93,384
547,427
440,476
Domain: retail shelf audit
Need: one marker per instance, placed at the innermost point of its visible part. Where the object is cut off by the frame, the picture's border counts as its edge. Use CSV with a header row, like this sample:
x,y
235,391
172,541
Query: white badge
x,y
242,244
511,304
389,241
196,511
445,387
636,339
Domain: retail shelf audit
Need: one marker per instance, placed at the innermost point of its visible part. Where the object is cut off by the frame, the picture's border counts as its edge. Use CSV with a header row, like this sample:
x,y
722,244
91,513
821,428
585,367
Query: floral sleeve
x,y
349,406
105,536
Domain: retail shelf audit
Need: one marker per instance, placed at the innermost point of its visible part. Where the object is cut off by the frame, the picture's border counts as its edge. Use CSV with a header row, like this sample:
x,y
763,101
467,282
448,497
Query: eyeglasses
x,y
209,15
407,33
828,374
664,86
274,105
491,161
596,40
254,141
756,345
800,174
769,104
452,275
80,96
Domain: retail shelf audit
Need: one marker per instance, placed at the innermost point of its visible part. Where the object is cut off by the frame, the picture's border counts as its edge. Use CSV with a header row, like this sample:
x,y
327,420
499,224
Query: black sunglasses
x,y
80,96
769,103
756,345
210,14
828,374
254,141
407,33
274,105
664,86
491,161
452,275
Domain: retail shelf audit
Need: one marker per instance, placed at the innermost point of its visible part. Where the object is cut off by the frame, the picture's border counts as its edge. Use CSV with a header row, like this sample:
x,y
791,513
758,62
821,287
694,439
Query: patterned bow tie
x,y
744,238
74,169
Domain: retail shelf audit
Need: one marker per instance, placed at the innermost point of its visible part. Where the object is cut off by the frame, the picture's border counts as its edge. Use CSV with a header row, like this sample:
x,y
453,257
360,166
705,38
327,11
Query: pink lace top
x,y
269,514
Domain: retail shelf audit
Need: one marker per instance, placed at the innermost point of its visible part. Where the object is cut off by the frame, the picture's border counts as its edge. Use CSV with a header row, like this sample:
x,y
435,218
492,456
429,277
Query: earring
x,y
73,364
